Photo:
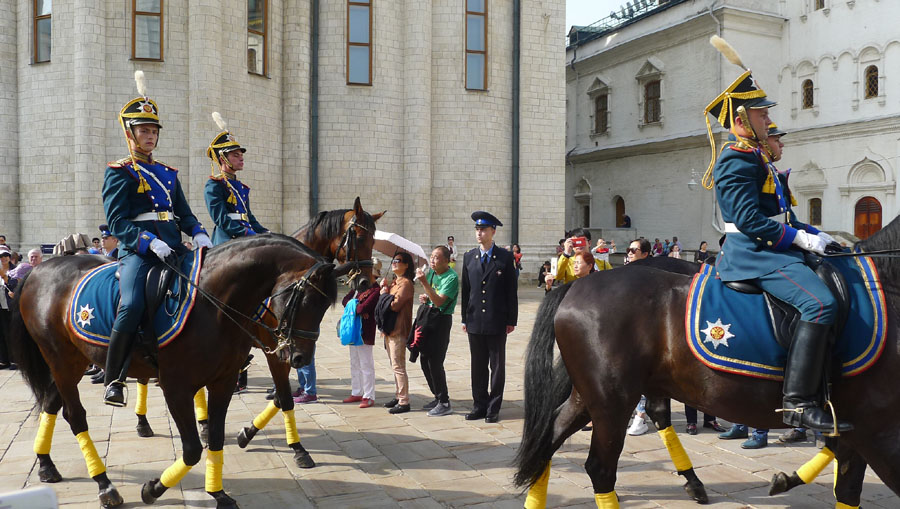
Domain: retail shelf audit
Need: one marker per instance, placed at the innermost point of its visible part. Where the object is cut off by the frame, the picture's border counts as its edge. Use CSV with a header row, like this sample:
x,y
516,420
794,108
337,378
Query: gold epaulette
x,y
121,163
217,178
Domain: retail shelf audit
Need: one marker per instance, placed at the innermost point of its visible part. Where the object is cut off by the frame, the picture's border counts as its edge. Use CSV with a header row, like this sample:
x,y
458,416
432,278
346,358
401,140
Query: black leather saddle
x,y
784,317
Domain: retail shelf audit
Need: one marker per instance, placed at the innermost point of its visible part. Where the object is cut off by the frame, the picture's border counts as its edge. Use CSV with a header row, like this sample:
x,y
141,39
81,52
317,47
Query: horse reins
x,y
283,332
881,253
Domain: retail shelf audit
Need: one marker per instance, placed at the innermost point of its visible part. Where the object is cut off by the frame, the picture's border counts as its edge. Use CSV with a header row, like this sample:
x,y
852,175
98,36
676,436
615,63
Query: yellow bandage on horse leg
x,y
812,468
140,405
175,473
537,495
839,505
260,421
45,433
676,450
290,427
95,465
214,462
200,411
607,500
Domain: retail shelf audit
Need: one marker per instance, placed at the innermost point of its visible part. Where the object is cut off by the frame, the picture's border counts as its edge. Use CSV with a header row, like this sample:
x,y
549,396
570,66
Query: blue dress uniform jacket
x,y
489,298
125,197
226,196
750,191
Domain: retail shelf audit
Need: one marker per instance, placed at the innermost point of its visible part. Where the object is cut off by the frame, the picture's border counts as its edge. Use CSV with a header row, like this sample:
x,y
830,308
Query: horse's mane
x,y
265,239
332,223
886,238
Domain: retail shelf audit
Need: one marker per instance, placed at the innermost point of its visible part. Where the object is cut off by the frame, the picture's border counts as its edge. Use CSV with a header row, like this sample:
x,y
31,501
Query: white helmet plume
x,y
139,81
219,121
727,51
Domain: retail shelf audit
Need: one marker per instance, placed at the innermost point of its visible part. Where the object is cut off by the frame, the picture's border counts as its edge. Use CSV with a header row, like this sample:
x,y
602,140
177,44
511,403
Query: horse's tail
x,y
25,352
546,388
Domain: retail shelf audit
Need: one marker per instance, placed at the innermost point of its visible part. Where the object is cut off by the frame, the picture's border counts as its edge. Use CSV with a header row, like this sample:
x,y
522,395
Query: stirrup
x,y
111,402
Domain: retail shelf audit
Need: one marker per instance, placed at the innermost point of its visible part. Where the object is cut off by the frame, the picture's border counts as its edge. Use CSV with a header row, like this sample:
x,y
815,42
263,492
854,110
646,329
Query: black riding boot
x,y
802,379
117,361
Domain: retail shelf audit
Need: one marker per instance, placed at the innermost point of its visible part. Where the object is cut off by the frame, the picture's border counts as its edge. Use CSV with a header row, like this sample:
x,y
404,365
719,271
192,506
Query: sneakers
x,y
440,409
299,392
91,371
353,399
99,378
638,426
714,425
306,398
691,429
366,403
793,435
430,404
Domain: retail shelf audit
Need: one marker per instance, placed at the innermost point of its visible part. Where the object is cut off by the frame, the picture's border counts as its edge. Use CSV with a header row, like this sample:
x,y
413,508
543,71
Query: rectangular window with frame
x,y
257,37
359,42
652,110
476,44
147,29
42,12
601,113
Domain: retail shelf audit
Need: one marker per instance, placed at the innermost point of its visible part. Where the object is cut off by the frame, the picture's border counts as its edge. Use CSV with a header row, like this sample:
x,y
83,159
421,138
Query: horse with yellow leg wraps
x,y
235,278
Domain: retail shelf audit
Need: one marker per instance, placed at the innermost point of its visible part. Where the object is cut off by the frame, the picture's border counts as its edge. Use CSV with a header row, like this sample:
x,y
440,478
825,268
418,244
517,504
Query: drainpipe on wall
x,y
715,205
314,110
516,98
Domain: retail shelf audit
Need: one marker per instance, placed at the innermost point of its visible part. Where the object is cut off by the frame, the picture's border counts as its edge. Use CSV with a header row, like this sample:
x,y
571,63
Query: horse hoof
x,y
110,497
304,460
147,492
781,483
244,437
144,430
698,493
49,474
223,501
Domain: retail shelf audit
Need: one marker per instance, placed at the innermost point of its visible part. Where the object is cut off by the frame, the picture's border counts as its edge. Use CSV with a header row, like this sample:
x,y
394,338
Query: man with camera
x,y
579,240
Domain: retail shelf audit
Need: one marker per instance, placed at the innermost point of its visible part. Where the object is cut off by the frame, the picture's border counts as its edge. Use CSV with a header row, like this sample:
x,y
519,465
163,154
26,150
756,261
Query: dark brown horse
x,y
207,353
621,334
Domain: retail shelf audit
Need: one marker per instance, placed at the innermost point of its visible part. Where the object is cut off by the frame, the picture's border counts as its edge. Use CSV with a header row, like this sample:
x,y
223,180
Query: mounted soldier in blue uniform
x,y
147,211
765,242
227,198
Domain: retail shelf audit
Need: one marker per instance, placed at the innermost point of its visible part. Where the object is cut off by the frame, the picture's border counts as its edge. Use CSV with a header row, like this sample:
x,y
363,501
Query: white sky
x,y
585,12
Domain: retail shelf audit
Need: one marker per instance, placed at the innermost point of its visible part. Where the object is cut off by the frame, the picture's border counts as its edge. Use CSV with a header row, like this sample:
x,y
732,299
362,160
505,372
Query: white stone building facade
x,y
415,141
842,145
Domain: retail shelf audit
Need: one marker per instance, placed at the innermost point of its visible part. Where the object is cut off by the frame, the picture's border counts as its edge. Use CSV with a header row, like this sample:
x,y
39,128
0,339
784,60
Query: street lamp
x,y
692,184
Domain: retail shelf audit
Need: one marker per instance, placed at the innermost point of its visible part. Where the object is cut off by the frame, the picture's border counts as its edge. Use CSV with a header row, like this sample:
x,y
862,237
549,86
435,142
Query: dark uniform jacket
x,y
754,196
125,197
489,299
225,196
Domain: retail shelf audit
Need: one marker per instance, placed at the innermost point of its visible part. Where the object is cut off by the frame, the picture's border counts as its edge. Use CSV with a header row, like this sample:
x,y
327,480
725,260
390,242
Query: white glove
x,y
160,248
202,240
827,238
811,243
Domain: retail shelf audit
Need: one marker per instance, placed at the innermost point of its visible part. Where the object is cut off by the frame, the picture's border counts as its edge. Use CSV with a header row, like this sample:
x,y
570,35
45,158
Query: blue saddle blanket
x,y
95,300
731,331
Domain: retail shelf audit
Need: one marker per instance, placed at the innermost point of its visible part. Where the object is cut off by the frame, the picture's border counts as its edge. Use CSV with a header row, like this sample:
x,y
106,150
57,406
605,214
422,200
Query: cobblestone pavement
x,y
369,458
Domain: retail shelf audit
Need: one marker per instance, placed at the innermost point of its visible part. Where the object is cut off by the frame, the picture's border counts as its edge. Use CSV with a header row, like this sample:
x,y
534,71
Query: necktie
x,y
484,259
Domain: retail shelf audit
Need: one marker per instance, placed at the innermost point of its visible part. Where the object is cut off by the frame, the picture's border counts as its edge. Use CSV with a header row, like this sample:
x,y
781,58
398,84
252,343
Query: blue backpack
x,y
350,327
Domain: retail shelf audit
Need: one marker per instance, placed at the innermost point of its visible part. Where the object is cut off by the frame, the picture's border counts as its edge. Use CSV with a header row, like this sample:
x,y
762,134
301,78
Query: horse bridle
x,y
348,244
283,332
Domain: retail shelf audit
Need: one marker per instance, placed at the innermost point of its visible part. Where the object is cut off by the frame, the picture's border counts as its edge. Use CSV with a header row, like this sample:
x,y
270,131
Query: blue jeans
x,y
307,377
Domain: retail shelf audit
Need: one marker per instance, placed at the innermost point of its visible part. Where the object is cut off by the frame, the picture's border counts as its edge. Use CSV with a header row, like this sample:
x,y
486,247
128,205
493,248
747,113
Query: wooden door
x,y
620,212
867,217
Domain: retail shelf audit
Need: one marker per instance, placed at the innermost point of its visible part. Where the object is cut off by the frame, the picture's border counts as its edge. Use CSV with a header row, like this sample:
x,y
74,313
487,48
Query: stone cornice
x,y
644,147
843,130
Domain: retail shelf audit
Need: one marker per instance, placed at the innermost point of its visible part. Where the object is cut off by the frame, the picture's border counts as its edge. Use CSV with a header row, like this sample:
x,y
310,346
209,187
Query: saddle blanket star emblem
x,y
717,333
85,315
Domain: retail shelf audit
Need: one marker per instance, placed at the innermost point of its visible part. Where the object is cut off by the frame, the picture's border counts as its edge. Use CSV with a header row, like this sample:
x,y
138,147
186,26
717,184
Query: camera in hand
x,y
579,242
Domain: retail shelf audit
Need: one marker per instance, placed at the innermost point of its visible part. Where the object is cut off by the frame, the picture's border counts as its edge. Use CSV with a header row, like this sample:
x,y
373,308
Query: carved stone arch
x,y
870,53
866,172
783,73
582,195
809,178
583,188
829,57
805,68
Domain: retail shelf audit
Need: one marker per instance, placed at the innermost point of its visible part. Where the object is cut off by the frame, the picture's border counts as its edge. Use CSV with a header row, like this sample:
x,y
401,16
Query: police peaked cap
x,y
484,219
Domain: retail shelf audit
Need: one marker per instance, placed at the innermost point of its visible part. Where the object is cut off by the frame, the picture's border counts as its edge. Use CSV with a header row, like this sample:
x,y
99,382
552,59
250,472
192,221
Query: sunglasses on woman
x,y
396,261
632,250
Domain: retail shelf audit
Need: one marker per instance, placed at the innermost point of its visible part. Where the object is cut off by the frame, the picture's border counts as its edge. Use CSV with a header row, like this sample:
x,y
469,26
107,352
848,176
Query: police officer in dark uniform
x,y
109,242
146,210
227,198
490,308
765,244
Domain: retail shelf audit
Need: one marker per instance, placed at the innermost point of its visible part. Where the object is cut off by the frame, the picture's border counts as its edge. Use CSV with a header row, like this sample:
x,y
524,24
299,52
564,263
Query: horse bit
x,y
348,243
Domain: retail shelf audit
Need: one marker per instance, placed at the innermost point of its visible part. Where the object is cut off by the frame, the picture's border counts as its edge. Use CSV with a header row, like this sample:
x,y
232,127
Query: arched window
x,y
620,212
807,94
867,217
815,211
871,81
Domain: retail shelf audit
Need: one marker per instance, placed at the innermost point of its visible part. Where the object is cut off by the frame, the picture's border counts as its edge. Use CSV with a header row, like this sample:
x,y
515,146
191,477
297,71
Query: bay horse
x,y
235,278
621,334
343,235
